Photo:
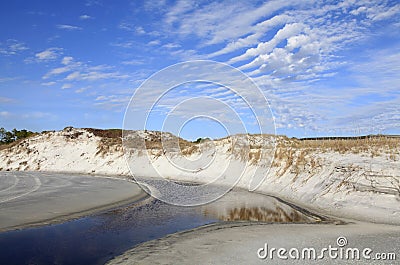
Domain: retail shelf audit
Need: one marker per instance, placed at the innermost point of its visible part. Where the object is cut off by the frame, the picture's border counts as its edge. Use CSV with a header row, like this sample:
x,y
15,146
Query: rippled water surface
x,y
97,238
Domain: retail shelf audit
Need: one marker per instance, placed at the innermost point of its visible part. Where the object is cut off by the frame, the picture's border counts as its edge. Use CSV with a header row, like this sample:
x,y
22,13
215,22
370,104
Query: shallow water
x,y
97,238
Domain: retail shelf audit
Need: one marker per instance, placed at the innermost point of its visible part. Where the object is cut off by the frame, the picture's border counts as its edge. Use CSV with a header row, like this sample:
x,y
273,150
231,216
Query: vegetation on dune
x,y
107,133
290,154
351,144
111,139
299,155
7,137
200,140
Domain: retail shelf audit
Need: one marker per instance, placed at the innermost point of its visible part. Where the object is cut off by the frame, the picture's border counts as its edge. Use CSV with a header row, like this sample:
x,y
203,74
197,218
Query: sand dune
x,y
348,178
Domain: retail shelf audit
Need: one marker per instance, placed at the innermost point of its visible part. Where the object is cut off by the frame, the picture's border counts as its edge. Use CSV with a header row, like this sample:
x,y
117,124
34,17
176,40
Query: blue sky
x,y
326,67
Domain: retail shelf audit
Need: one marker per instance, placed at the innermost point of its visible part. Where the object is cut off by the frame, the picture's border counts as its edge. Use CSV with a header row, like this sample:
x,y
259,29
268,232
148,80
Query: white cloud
x,y
57,71
112,102
140,30
66,86
178,10
218,22
126,26
154,43
48,83
78,71
376,11
94,75
48,54
336,109
257,32
133,62
12,47
184,55
68,27
73,76
101,98
69,65
155,6
311,32
172,45
81,90
385,14
85,17
289,30
360,10
67,60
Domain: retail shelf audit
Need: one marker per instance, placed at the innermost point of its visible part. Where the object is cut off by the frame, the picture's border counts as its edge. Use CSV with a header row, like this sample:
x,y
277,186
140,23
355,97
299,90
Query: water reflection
x,y
245,206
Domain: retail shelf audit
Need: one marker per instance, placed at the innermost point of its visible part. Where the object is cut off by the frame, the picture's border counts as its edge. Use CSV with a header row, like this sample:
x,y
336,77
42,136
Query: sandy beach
x,y
239,243
33,198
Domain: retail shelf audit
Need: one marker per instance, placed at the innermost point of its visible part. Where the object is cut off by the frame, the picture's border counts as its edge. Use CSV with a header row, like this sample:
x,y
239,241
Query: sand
x,y
238,243
32,198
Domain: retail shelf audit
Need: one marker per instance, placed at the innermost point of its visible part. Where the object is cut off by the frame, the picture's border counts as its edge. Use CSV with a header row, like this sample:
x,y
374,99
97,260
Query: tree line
x,y
7,137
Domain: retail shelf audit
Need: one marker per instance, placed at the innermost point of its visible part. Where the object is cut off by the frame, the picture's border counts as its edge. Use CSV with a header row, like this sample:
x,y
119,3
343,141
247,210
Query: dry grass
x,y
108,133
111,140
153,144
374,145
188,151
156,143
298,155
155,140
73,136
255,156
108,145
353,145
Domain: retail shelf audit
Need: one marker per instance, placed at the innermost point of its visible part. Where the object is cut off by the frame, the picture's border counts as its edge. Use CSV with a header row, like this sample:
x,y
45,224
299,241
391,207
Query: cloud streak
x,y
68,27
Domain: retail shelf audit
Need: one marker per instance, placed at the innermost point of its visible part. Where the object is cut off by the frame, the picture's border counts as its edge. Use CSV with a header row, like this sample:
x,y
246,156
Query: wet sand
x,y
33,198
238,243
